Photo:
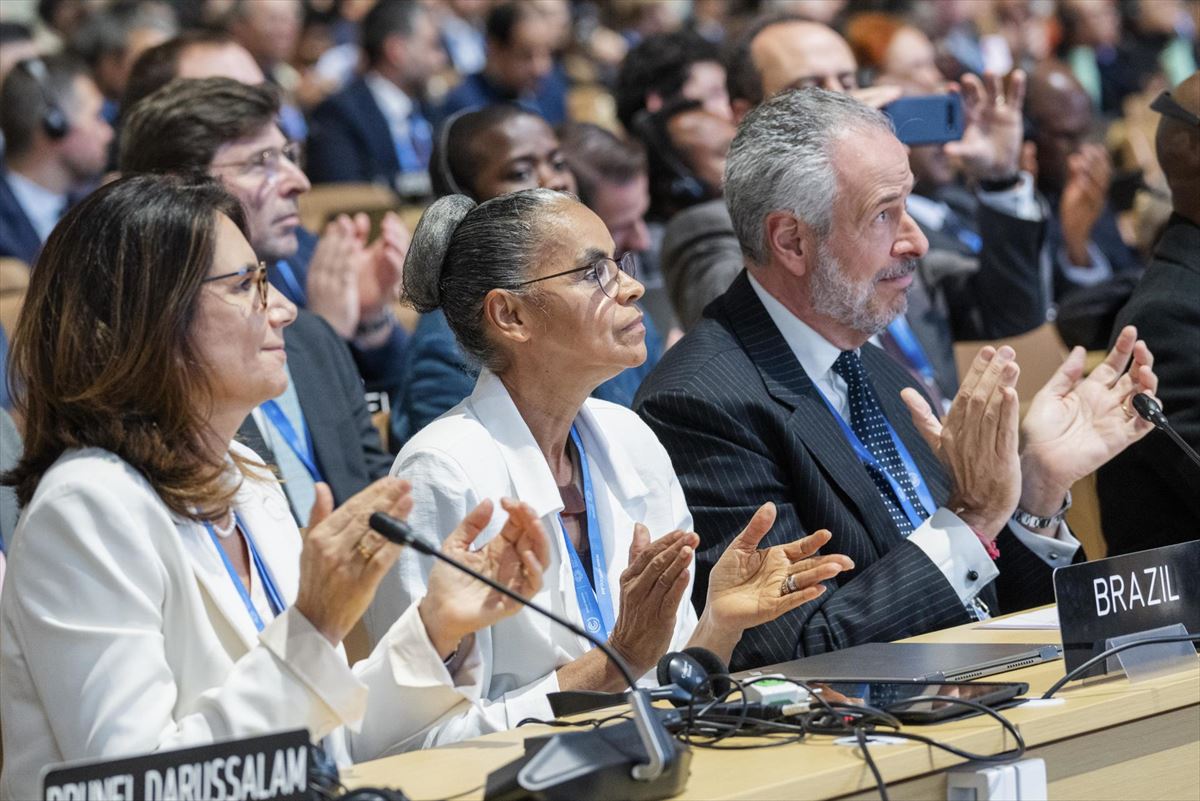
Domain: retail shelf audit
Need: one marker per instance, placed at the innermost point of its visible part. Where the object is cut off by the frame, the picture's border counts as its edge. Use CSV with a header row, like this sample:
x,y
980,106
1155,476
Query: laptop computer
x,y
903,661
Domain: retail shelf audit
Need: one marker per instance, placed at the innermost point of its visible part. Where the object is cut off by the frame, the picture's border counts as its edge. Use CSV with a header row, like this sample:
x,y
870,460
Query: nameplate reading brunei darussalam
x,y
274,766
1124,595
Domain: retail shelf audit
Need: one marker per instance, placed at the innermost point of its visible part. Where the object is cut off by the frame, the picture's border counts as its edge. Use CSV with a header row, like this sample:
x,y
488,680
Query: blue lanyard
x,y
595,603
264,575
915,516
303,448
910,346
293,284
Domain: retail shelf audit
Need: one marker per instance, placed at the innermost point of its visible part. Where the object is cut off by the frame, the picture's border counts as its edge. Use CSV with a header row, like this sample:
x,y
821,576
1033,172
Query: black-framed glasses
x,y
269,161
1168,106
259,274
605,270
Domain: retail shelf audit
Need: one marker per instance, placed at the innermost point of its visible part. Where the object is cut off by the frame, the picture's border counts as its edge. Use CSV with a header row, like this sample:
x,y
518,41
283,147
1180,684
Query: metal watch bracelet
x,y
1034,521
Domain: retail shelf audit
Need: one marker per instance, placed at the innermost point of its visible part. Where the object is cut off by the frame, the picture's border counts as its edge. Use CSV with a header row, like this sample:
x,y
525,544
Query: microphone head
x,y
398,531
1148,408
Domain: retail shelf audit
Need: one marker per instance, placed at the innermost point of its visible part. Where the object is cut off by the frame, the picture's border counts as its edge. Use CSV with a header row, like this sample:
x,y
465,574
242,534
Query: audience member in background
x,y
1159,39
669,66
16,45
1091,31
1150,495
111,40
56,145
145,339
460,28
1088,256
532,287
315,274
982,278
484,154
520,66
192,54
60,19
270,32
778,395
319,428
611,178
376,130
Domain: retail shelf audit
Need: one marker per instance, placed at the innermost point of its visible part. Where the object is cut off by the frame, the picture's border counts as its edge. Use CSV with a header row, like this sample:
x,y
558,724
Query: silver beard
x,y
849,303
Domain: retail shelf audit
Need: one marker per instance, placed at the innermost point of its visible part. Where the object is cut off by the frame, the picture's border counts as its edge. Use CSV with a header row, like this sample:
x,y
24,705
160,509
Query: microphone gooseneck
x,y
1150,410
653,736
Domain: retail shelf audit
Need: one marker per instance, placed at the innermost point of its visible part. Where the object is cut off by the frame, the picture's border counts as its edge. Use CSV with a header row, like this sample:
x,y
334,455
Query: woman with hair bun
x,y
529,284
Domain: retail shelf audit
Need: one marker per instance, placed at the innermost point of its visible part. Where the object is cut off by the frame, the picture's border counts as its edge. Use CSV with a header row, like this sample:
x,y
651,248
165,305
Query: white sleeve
x,y
1018,201
1056,551
953,547
98,653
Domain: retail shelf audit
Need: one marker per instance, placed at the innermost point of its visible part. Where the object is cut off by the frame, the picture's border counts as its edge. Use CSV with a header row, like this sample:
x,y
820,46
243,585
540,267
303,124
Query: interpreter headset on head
x,y
54,122
443,145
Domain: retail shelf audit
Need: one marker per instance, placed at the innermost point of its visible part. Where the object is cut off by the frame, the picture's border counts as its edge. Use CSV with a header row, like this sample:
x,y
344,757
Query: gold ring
x,y
1125,408
789,585
366,553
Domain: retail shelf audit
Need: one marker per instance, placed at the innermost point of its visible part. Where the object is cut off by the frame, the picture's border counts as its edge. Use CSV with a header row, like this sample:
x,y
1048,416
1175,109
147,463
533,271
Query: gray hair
x,y
780,160
461,250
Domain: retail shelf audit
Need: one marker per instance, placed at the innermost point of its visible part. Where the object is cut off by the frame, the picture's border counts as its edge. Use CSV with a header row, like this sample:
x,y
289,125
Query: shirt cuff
x,y
1056,551
955,550
1099,271
531,701
1018,201
414,661
294,640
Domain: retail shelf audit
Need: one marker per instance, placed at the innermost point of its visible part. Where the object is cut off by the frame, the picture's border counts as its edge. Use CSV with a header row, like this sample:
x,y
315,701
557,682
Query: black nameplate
x,y
274,766
1125,595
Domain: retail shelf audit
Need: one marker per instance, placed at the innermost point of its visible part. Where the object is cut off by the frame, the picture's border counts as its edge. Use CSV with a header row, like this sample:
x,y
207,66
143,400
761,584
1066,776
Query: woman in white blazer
x,y
532,289
158,593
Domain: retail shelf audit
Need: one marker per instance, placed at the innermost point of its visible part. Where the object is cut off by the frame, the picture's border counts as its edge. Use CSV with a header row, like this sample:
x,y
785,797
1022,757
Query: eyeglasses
x,y
1168,106
268,162
256,273
606,271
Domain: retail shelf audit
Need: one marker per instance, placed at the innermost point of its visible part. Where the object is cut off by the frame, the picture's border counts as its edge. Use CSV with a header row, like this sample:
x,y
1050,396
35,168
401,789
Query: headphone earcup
x,y
55,123
716,668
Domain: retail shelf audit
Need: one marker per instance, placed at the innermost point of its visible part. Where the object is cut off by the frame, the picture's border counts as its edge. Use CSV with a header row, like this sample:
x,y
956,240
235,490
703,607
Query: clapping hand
x,y
379,281
1089,173
990,147
333,273
456,605
651,589
1075,424
749,586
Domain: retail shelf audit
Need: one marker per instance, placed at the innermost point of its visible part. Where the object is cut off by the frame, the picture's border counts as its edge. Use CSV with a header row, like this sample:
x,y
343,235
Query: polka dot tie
x,y
871,427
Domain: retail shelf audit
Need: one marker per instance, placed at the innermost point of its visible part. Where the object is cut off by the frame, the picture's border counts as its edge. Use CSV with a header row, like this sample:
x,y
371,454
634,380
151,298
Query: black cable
x,y
861,735
1058,685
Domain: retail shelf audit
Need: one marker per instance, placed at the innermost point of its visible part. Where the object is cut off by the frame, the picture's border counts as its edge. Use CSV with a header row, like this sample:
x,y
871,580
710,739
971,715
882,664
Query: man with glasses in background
x,y
319,429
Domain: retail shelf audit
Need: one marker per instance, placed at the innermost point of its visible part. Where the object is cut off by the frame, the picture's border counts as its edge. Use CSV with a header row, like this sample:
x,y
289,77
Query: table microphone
x,y
1149,409
660,747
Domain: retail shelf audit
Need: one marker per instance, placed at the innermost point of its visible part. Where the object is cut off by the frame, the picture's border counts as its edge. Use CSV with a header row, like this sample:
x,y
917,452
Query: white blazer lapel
x,y
216,582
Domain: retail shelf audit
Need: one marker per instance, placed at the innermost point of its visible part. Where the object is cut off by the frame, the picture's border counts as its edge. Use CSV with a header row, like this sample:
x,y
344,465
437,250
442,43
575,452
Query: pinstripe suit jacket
x,y
744,424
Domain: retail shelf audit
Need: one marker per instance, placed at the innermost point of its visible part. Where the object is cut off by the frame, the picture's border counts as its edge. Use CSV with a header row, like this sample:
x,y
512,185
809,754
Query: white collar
x,y
532,480
815,353
930,213
391,99
42,206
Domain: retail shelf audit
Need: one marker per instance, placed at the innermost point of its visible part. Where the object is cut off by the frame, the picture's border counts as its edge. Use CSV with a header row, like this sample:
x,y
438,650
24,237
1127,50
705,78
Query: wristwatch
x,y
1034,521
1000,184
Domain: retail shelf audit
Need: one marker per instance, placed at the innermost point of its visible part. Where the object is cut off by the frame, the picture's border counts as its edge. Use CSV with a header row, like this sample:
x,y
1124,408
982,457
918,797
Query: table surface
x,y
819,768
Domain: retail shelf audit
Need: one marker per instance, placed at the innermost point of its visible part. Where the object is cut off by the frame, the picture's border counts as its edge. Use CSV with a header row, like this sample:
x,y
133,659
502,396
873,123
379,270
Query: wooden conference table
x,y
1109,739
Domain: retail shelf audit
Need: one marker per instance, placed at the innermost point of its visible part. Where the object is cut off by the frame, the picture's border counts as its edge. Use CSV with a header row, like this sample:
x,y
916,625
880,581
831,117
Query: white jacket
x,y
483,449
121,632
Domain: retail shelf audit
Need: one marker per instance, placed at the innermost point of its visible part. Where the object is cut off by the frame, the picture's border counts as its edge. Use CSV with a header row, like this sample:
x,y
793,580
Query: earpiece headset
x,y
650,127
54,122
443,146
698,673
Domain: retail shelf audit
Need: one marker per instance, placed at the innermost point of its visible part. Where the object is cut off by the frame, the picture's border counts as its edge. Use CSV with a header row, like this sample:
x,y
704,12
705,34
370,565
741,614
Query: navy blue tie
x,y
871,426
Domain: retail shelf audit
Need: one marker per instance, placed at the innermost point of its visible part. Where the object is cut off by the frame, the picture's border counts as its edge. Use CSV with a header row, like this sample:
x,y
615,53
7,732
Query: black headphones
x,y
54,122
694,674
324,782
685,188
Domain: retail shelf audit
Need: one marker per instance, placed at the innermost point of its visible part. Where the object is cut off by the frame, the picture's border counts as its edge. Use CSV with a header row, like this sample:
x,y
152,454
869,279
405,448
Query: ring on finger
x,y
788,586
1125,408
366,553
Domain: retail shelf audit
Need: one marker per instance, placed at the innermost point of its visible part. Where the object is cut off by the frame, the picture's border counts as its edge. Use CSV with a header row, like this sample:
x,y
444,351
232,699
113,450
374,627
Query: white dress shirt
x,y
122,633
943,536
481,449
394,104
42,206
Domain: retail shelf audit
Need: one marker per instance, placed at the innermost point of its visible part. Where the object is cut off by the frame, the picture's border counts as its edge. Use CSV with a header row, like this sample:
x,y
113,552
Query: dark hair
x,y
386,19
107,32
502,20
742,78
659,64
102,355
159,65
455,157
674,185
461,250
597,156
182,125
25,98
14,32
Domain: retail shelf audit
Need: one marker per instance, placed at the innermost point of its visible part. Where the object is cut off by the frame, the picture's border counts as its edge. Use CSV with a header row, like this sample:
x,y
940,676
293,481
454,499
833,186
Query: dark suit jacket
x,y
1105,236
350,140
330,392
744,424
1002,296
382,367
1150,494
18,239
